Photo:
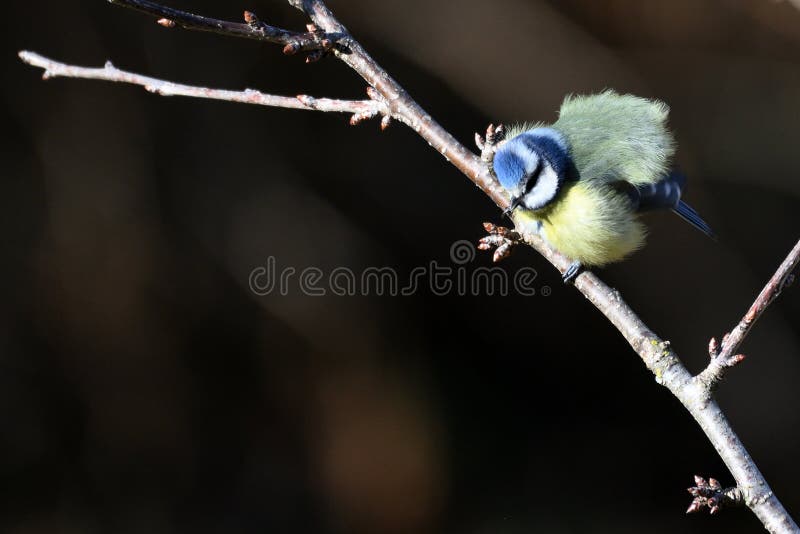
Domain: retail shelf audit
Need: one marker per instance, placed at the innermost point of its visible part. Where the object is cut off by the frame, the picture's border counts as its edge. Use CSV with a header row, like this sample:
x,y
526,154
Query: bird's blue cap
x,y
520,156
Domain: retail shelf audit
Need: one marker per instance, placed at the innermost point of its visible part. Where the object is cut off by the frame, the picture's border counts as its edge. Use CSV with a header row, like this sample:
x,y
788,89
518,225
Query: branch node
x,y
719,364
712,495
489,145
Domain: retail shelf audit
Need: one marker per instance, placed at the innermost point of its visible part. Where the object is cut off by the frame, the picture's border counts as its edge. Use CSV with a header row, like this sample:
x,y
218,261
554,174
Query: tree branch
x,y
657,354
403,107
725,357
361,109
252,28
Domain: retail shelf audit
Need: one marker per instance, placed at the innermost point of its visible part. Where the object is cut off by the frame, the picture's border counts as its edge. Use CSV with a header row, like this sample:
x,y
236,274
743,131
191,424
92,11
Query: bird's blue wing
x,y
666,194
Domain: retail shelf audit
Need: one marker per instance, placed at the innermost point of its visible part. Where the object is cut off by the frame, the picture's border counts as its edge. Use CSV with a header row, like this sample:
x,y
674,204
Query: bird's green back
x,y
617,137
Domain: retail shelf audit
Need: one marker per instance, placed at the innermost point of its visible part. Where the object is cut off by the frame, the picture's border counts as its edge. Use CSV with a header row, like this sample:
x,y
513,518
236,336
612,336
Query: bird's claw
x,y
572,272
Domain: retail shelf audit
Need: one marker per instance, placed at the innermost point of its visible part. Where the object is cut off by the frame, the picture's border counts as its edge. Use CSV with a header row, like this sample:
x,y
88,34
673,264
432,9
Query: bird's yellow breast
x,y
591,223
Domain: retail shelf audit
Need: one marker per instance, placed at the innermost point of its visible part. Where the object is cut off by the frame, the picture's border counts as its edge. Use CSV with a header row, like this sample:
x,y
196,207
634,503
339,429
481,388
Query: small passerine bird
x,y
581,182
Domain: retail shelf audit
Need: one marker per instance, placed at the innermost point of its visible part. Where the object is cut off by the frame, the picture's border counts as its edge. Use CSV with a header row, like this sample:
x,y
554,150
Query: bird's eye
x,y
532,178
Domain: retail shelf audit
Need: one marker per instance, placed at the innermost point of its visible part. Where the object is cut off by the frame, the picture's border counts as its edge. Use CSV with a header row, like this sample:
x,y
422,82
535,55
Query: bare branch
x,y
403,107
696,398
732,341
361,109
391,100
253,28
725,357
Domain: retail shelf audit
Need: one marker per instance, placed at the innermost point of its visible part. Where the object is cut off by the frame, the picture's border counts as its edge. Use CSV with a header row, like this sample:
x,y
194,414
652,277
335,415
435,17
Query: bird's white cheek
x,y
544,191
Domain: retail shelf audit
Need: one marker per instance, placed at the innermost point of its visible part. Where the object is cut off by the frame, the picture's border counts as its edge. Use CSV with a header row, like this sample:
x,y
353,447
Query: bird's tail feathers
x,y
688,214
666,194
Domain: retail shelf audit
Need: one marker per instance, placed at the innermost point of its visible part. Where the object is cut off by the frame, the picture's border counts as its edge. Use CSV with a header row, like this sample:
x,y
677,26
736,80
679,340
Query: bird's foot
x,y
501,239
572,272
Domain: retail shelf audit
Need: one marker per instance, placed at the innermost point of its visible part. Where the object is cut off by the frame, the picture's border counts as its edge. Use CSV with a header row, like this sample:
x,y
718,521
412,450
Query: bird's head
x,y
533,166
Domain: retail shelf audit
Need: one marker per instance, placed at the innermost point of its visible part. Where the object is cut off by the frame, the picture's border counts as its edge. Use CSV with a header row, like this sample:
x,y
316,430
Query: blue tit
x,y
582,182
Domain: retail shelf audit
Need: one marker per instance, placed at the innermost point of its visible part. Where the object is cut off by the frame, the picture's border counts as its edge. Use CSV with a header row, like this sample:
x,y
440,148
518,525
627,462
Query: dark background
x,y
145,388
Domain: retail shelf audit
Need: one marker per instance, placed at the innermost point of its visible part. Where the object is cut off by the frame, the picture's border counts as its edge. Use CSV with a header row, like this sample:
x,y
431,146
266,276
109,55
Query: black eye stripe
x,y
554,154
532,179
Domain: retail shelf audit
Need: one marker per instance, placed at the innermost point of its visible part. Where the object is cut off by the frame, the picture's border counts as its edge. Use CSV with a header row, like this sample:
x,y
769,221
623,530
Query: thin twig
x,y
725,357
771,291
403,107
361,109
657,354
252,28
696,398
